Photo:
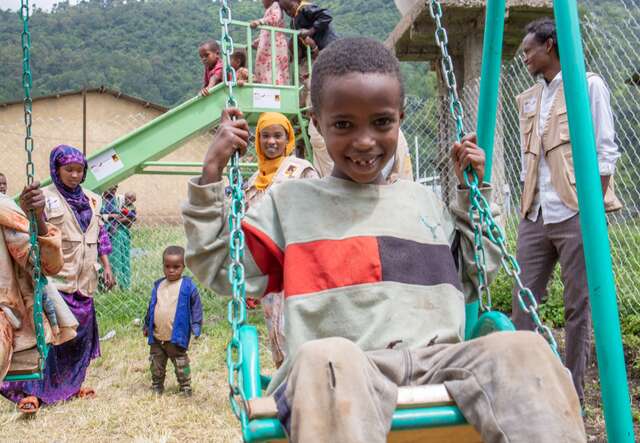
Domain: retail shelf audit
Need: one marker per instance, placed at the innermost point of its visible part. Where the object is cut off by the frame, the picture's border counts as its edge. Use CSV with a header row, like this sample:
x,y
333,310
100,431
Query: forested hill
x,y
145,48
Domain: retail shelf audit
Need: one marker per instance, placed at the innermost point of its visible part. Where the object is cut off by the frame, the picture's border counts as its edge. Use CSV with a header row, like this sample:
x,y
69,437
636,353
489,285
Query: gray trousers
x,y
508,385
159,353
539,248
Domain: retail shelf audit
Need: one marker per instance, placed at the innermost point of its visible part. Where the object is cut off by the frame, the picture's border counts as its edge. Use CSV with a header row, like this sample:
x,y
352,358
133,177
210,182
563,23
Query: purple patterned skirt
x,y
67,364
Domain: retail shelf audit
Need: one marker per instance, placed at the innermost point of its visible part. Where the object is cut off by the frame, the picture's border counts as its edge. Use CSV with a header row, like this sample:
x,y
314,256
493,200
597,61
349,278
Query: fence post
x,y
602,290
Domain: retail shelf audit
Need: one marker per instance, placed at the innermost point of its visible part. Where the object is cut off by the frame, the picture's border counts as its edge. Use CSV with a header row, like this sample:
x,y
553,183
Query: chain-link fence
x,y
144,216
611,51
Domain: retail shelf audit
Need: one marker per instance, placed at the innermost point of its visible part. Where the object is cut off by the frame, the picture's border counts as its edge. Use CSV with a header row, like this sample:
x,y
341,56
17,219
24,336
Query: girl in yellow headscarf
x,y
275,142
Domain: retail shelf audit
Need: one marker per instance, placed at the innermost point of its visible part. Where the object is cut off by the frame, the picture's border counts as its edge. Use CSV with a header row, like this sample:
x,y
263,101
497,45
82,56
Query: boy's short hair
x,y
173,250
241,55
212,45
130,195
353,54
544,29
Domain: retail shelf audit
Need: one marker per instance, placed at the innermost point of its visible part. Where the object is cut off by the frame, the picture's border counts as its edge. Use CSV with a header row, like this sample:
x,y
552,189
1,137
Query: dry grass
x,y
125,410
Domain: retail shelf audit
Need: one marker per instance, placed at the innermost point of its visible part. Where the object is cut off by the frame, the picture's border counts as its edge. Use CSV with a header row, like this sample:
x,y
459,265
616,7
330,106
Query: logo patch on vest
x,y
530,105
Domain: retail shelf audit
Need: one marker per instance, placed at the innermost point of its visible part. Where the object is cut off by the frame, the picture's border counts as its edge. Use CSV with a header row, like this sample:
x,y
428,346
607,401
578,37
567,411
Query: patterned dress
x,y
273,16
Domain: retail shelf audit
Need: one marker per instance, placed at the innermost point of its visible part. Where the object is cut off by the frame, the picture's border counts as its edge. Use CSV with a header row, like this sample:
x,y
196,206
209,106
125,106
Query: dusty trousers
x,y
508,385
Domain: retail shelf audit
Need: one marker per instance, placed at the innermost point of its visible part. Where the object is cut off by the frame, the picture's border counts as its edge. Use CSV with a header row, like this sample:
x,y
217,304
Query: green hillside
x,y
149,48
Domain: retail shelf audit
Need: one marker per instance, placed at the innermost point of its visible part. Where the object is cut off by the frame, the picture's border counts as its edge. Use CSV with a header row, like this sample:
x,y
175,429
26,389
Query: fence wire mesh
x,y
144,217
611,50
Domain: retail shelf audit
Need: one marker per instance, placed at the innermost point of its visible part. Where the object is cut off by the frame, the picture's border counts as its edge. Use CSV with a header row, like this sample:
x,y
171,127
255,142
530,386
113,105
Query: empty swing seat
x,y
25,362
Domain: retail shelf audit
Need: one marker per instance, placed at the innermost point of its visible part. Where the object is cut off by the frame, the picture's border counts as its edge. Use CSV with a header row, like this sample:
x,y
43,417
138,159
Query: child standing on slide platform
x,y
374,288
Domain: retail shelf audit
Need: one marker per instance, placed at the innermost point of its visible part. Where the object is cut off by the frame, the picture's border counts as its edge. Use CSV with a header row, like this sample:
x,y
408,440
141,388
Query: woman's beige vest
x,y
291,168
557,150
80,249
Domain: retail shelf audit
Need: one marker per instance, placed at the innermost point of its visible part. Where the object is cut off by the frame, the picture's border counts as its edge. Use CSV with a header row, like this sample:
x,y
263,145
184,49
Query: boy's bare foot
x,y
29,405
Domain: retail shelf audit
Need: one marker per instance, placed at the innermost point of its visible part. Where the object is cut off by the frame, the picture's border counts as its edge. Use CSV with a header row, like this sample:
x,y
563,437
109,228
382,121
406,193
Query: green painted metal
x,y
26,377
169,131
490,79
602,290
250,373
492,321
488,106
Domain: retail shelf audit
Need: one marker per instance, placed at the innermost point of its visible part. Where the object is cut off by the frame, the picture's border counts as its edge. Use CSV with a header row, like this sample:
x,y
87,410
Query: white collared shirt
x,y
553,209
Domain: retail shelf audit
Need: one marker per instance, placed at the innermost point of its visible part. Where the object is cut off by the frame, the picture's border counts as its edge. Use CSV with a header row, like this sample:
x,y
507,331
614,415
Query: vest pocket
x,y
563,126
526,131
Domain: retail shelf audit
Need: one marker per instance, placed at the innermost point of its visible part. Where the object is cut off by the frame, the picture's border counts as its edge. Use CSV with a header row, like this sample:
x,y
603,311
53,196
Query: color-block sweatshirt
x,y
370,263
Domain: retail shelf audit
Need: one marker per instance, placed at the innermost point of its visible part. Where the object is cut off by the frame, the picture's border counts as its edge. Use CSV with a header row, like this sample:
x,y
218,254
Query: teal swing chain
x,y
479,205
237,310
39,280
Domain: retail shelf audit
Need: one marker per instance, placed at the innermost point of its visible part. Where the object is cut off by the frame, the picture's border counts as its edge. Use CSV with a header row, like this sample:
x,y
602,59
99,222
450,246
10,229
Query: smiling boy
x,y
374,297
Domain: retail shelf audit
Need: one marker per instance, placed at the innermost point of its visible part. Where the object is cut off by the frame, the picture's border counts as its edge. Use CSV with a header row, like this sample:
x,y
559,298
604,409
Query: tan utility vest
x,y
80,249
556,143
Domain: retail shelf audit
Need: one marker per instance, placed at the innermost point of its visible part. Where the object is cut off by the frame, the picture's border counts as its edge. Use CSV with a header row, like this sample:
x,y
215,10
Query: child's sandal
x,y
86,393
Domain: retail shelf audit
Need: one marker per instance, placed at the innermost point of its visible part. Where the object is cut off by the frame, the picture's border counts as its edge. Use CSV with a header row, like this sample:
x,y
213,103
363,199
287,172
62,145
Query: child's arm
x,y
145,325
196,313
465,154
207,224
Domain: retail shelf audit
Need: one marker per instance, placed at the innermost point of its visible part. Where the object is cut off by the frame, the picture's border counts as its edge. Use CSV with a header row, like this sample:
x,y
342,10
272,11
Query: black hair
x,y
173,250
2,175
241,55
354,54
212,45
544,29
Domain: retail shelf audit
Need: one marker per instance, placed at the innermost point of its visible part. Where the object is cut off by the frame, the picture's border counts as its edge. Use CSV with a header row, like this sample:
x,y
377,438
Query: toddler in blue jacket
x,y
174,313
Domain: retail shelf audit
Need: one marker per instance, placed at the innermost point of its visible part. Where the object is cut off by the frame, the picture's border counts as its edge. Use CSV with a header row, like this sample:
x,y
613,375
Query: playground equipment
x,y
427,413
19,372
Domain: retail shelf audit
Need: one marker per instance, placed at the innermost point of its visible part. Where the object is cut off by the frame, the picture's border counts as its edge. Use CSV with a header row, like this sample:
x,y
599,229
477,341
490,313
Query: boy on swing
x,y
374,288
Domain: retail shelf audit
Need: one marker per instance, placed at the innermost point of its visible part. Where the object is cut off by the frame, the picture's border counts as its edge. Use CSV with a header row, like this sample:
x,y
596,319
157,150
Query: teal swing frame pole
x,y
602,290
488,105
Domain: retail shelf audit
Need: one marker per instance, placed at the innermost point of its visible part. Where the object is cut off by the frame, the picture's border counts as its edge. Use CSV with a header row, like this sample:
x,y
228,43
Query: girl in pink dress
x,y
273,16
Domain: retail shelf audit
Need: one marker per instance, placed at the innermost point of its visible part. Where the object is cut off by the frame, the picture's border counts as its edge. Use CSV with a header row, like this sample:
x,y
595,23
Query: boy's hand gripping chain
x,y
237,313
39,281
479,203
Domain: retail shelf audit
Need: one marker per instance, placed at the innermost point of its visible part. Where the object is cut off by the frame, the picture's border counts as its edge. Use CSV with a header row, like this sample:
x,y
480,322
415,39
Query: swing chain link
x,y
39,281
480,215
237,310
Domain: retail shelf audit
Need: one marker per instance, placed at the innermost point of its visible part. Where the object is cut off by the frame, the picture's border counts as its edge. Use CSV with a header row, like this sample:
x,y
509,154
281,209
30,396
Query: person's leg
x,y
180,360
577,313
537,257
158,360
334,393
509,385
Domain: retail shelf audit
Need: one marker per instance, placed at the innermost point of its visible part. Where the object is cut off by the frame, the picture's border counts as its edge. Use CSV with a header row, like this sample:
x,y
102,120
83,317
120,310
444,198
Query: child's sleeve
x,y
319,17
196,312
206,224
462,240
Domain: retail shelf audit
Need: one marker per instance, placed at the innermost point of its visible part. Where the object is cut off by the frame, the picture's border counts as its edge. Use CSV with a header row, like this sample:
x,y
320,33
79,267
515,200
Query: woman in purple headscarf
x,y
76,213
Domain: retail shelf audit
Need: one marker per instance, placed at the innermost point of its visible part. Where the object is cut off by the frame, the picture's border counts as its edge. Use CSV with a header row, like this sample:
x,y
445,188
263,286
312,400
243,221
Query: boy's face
x,y
359,120
3,184
173,266
208,55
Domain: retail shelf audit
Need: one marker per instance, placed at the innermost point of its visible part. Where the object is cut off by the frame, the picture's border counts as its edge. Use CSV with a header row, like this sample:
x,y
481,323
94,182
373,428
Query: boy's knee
x,y
528,348
324,350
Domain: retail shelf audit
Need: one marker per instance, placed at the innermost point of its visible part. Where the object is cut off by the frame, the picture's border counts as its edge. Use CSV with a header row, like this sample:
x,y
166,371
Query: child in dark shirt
x,y
311,20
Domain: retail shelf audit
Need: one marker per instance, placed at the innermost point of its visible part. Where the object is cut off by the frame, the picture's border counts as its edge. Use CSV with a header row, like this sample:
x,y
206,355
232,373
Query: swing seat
x,y
24,363
423,413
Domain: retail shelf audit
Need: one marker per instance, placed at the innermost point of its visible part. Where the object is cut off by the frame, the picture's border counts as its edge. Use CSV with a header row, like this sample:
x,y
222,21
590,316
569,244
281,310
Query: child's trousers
x,y
508,385
160,352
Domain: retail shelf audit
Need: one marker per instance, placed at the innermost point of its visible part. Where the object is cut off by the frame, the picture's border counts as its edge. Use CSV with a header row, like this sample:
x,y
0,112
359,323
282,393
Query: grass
x,y
125,409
